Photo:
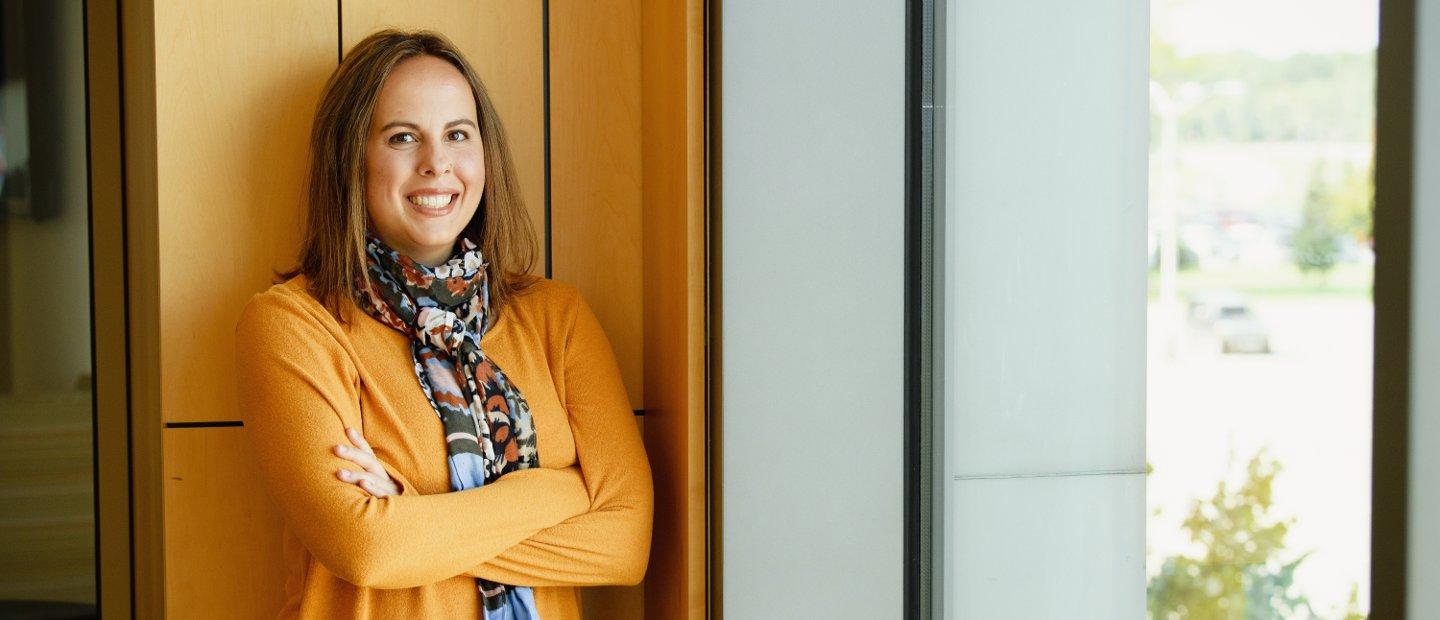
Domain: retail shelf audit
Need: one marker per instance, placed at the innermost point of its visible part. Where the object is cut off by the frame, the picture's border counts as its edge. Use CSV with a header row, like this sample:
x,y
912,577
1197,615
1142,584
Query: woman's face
x,y
424,165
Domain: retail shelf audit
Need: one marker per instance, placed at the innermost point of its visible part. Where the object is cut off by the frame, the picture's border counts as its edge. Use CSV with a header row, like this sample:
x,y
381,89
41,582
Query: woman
x,y
444,435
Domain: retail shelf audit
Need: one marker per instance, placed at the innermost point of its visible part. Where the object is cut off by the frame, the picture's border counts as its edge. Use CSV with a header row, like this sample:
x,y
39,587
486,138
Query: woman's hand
x,y
372,478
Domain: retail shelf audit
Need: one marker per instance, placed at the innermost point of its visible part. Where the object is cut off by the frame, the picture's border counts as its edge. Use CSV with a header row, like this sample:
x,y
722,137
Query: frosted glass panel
x,y
811,326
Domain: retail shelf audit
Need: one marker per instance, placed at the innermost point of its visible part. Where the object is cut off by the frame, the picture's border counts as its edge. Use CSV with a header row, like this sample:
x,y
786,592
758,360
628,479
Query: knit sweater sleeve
x,y
298,390
609,543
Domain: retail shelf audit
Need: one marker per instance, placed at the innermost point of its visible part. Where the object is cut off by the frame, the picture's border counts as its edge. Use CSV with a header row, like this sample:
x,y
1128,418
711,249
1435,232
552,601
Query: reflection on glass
x,y
47,528
1260,314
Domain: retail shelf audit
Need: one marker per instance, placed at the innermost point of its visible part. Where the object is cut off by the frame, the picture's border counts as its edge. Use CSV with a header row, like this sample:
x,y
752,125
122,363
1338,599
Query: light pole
x,y
1169,109
1169,307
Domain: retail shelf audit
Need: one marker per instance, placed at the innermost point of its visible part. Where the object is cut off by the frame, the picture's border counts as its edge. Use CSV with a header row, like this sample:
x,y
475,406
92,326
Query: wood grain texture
x,y
675,303
236,86
222,532
504,43
613,602
219,99
595,168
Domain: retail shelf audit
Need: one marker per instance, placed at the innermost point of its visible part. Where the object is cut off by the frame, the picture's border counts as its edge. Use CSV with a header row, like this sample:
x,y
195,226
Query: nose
x,y
433,161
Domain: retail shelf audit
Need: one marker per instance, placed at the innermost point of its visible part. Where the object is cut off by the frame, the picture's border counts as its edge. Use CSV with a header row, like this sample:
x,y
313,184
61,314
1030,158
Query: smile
x,y
431,201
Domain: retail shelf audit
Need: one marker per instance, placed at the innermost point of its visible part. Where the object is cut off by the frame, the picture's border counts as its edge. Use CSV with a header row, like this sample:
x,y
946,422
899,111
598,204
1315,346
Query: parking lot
x,y
1308,401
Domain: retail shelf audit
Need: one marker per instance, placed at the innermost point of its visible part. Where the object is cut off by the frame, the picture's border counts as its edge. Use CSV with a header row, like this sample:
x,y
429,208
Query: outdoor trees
x,y
1243,571
1336,207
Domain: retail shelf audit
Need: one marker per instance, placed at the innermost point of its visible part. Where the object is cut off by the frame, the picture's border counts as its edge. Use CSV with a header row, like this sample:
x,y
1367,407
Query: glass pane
x,y
47,528
1261,315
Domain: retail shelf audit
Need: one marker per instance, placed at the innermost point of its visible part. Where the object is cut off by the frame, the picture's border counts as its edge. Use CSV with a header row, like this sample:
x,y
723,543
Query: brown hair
x,y
333,254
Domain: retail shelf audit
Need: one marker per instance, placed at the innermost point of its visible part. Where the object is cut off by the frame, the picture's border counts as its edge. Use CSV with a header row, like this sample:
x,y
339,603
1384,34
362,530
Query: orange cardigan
x,y
582,518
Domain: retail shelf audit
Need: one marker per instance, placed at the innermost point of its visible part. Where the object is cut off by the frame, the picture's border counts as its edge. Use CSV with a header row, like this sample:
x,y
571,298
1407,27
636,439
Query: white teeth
x,y
431,201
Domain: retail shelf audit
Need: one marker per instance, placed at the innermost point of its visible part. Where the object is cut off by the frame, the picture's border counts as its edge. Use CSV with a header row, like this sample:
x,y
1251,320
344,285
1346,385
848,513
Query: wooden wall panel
x,y
675,303
613,602
595,167
142,291
236,85
214,210
107,265
222,546
504,42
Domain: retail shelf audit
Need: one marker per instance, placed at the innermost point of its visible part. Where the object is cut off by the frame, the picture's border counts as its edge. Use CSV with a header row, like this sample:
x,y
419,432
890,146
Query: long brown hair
x,y
333,254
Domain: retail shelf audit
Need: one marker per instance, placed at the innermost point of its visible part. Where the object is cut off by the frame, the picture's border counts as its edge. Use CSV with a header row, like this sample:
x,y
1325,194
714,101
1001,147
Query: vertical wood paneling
x,y
675,302
222,543
613,602
107,268
215,209
236,87
143,308
504,42
595,175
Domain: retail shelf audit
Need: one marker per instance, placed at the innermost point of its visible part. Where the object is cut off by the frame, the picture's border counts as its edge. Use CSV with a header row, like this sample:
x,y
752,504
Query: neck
x,y
432,259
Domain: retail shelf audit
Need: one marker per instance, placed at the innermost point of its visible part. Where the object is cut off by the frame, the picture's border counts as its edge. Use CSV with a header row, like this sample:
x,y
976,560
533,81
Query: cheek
x,y
470,168
383,171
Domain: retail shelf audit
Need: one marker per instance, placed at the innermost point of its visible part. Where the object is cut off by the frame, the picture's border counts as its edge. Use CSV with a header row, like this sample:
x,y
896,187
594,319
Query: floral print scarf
x,y
445,311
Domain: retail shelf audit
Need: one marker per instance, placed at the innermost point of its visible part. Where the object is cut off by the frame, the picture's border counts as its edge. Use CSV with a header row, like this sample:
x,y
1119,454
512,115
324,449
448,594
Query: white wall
x,y
1046,121
1424,535
812,115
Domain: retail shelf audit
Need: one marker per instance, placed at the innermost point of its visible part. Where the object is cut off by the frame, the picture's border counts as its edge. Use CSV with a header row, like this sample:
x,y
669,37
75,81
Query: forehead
x,y
422,87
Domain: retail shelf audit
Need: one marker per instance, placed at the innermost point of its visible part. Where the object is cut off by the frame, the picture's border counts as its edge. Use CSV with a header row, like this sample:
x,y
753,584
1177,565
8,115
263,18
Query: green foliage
x,y
1185,257
1352,608
1315,244
1306,97
1335,207
1242,573
1353,194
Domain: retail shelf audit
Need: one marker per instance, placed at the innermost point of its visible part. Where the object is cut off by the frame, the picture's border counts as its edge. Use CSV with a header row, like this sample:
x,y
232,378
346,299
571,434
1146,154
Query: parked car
x,y
1227,315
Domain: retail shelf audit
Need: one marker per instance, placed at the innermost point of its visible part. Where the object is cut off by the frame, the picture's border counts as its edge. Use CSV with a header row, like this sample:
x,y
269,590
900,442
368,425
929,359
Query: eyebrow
x,y
458,121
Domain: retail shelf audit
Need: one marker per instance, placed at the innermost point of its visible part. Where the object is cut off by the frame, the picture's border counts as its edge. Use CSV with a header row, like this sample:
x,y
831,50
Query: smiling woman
x,y
462,446
386,131
424,176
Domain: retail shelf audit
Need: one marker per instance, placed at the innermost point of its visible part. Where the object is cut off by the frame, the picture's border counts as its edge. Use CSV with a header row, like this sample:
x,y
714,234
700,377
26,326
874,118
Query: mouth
x,y
432,204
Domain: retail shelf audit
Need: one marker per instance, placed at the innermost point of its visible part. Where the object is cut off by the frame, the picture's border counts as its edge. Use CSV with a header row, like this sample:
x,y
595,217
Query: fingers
x,y
361,454
358,440
361,458
374,479
370,483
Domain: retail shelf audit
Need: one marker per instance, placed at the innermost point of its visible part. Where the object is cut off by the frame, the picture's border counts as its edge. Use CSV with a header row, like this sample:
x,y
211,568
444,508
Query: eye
x,y
401,137
458,135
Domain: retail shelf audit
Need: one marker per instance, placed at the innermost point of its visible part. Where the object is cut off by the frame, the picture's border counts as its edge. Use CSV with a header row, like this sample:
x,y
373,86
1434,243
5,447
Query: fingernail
x,y
345,475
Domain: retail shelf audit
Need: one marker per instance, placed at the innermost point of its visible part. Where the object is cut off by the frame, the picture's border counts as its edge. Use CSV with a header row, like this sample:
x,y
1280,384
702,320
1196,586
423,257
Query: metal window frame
x,y
924,314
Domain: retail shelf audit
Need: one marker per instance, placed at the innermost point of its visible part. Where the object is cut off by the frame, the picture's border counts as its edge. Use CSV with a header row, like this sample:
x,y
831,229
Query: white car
x,y
1228,316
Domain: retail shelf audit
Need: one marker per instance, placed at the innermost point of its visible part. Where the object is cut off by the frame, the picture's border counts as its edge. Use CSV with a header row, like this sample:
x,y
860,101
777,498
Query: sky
x,y
1272,28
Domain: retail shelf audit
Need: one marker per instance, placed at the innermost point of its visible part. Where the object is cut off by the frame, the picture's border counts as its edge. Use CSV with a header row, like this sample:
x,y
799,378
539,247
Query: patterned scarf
x,y
445,311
